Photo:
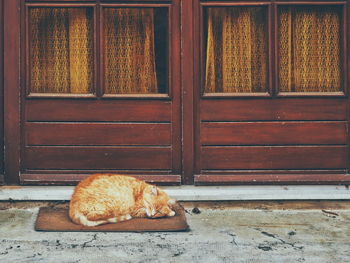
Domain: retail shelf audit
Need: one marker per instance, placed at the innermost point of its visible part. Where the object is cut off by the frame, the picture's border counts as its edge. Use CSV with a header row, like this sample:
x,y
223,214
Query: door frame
x,y
190,108
12,91
1,93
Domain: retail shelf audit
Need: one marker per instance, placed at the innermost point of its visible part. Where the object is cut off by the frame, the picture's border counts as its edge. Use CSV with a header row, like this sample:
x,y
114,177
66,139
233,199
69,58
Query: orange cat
x,y
111,198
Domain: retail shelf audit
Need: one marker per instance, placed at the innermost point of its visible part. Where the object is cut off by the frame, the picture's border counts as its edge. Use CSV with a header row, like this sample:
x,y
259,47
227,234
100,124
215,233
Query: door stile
x,y
346,44
188,93
12,90
1,94
175,82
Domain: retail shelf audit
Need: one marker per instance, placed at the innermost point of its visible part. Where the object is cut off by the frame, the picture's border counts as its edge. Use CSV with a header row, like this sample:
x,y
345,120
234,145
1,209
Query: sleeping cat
x,y
111,198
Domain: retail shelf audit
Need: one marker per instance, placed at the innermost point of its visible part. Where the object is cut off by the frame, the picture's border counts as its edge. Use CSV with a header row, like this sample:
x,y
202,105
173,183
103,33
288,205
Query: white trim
x,y
195,193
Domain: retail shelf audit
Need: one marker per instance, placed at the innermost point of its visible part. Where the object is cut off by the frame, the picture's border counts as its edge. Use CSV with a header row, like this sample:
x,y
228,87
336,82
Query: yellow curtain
x,y
61,50
129,51
236,58
309,49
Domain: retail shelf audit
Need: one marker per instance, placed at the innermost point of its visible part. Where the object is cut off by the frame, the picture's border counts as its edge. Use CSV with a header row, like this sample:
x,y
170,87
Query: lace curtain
x,y
309,49
236,57
129,53
61,50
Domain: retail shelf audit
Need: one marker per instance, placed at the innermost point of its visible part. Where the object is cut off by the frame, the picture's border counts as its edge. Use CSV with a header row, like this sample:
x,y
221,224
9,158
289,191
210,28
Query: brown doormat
x,y
57,220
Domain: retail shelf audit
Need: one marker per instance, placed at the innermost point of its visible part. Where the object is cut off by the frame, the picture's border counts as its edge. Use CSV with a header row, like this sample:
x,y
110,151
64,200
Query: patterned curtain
x,y
61,50
236,59
309,49
129,53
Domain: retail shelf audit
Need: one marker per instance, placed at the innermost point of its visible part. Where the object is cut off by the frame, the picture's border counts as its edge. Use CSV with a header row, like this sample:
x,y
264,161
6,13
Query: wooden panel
x,y
59,178
60,1
97,110
97,158
273,133
1,93
302,178
188,12
278,109
98,134
137,1
274,157
12,90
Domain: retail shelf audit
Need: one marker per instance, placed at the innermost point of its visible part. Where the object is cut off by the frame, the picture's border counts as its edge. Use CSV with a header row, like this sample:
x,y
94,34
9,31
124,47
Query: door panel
x,y
295,130
98,110
103,158
120,112
39,133
274,133
274,157
286,109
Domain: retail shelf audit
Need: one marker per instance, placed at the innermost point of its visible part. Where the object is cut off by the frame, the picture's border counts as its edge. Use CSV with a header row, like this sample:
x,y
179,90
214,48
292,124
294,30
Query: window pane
x,y
135,50
236,50
310,49
61,50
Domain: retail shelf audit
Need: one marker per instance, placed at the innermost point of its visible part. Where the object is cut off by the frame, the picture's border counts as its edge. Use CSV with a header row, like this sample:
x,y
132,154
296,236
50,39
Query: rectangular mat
x,y
57,219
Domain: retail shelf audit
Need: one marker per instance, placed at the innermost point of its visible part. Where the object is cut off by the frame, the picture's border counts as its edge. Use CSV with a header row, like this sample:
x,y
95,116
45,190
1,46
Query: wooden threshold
x,y
72,179
275,179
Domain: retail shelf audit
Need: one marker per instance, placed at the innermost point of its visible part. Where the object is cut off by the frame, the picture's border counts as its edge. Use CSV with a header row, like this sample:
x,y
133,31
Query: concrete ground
x,y
220,232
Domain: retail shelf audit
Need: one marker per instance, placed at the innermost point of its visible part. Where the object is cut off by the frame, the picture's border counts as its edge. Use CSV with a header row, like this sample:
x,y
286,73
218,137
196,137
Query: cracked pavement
x,y
219,233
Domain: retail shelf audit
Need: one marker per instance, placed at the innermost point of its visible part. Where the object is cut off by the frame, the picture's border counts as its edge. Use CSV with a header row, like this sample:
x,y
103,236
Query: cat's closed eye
x,y
165,211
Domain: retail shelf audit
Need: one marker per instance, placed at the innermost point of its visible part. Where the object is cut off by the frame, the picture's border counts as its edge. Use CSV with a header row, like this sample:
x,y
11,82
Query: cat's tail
x,y
81,219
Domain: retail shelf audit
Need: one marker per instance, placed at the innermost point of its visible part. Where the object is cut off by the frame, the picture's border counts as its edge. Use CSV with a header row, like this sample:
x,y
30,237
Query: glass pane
x,y
61,50
236,50
310,49
136,50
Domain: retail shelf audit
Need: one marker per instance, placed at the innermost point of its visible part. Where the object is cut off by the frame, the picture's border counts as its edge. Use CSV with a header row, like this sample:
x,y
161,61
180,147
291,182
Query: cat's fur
x,y
111,198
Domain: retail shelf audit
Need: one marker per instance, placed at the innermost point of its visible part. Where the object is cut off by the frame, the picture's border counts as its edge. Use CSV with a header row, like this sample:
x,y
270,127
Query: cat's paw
x,y
172,213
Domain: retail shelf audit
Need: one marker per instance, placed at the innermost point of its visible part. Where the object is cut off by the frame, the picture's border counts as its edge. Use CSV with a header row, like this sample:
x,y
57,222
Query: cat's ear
x,y
154,190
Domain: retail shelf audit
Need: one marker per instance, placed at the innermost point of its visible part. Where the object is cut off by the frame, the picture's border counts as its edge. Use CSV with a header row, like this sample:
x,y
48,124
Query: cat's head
x,y
157,203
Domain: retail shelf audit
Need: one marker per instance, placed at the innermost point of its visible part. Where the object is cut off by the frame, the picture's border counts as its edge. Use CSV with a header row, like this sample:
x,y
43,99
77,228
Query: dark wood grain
x,y
98,134
97,158
140,1
274,157
273,133
72,179
97,110
187,64
12,90
281,109
72,1
175,91
1,91
255,178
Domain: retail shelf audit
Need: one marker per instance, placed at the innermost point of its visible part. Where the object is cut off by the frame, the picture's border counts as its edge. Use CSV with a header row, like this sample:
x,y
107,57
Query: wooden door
x,y
204,92
100,91
271,99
